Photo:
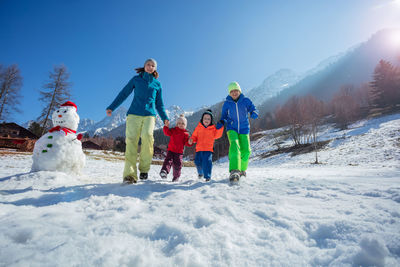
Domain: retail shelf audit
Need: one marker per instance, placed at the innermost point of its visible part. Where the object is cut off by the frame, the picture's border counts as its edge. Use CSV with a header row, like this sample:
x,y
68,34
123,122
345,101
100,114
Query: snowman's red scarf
x,y
59,128
66,131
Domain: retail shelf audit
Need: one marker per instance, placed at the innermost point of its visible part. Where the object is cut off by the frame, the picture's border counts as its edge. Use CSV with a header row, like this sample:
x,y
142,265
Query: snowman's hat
x,y
70,104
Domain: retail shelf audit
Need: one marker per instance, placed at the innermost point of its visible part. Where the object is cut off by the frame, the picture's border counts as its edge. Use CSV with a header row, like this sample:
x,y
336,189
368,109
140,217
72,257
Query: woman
x,y
140,119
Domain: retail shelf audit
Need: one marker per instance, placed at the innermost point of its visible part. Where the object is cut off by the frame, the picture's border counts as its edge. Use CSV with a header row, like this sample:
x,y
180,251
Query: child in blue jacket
x,y
235,116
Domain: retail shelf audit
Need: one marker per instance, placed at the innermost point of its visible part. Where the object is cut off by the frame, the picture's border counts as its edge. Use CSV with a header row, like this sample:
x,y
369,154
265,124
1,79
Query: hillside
x,y
272,85
352,68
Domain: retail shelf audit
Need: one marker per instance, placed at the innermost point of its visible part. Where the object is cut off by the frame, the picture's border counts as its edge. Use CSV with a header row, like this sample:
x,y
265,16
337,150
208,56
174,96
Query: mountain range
x,y
355,66
115,124
104,126
272,85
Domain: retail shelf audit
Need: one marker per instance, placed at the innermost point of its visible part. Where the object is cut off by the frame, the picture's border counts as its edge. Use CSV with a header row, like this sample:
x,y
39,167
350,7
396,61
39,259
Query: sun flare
x,y
395,39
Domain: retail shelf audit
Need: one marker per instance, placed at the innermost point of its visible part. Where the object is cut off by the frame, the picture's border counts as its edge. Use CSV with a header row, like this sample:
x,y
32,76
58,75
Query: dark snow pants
x,y
175,160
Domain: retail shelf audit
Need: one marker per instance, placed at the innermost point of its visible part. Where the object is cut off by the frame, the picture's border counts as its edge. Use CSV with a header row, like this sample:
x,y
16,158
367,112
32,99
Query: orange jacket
x,y
204,137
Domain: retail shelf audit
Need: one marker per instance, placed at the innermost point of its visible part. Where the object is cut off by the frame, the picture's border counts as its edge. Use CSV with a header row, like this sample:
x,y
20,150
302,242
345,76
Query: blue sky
x,y
200,46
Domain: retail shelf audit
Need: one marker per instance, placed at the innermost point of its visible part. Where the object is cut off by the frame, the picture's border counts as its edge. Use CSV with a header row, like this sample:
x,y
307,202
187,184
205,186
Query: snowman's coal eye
x,y
65,111
58,111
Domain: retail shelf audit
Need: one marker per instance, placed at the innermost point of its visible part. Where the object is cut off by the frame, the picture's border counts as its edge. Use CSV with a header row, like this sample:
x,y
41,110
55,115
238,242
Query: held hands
x,y
220,124
109,112
190,141
166,123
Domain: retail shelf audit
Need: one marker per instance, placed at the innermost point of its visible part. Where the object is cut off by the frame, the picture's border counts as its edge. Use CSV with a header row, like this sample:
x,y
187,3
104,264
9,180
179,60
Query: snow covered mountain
x,y
272,85
326,63
353,67
85,125
104,126
115,125
285,78
173,113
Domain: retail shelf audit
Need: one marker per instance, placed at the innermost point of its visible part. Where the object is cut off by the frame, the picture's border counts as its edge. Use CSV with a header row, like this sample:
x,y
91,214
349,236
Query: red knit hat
x,y
70,104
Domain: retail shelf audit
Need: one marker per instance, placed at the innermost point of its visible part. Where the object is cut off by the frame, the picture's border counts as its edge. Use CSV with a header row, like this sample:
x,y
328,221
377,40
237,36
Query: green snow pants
x,y
138,127
239,151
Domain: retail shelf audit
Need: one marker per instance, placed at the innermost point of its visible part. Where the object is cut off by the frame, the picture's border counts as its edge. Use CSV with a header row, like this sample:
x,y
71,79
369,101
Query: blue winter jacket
x,y
147,96
235,114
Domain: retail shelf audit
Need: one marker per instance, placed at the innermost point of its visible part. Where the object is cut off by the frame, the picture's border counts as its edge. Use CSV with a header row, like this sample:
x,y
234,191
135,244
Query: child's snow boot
x,y
242,174
129,180
175,179
201,176
163,174
208,179
234,176
143,176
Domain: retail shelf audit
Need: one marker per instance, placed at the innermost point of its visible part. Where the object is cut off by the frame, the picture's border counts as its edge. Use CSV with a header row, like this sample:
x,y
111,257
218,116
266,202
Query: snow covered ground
x,y
287,212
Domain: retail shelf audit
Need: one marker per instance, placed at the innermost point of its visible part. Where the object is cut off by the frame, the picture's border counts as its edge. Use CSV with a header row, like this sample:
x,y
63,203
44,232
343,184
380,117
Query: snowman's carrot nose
x,y
59,116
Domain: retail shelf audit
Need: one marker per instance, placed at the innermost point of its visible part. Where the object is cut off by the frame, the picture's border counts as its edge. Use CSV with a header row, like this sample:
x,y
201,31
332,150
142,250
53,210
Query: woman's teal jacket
x,y
147,96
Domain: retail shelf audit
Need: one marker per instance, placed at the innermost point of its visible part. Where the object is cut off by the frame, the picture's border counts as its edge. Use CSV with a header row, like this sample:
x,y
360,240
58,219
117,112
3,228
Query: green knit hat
x,y
234,86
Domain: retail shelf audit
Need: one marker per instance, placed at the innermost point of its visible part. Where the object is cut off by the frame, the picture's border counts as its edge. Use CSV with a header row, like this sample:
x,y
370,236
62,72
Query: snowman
x,y
60,149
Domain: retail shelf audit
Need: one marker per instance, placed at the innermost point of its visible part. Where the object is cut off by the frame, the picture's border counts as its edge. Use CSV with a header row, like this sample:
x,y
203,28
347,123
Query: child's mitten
x,y
254,115
219,125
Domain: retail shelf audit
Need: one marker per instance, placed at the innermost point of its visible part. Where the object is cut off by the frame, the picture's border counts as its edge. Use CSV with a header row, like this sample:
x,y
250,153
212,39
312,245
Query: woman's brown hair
x,y
139,70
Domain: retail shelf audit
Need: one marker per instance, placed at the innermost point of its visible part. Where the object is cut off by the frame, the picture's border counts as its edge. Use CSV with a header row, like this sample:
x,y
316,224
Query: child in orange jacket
x,y
204,135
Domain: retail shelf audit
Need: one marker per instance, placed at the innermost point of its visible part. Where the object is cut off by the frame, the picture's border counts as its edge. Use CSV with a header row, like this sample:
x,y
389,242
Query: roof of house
x,y
90,144
14,130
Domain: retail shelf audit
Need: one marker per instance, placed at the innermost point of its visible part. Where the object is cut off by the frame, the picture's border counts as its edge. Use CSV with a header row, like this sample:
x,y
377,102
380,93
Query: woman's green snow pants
x,y
138,127
239,151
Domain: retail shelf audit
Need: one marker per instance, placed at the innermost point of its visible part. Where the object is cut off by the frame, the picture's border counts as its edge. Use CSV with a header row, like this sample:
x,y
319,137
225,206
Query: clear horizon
x,y
200,47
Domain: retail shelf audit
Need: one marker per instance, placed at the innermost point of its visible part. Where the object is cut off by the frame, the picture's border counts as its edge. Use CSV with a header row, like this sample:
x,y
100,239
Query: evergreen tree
x,y
385,87
10,86
36,129
54,93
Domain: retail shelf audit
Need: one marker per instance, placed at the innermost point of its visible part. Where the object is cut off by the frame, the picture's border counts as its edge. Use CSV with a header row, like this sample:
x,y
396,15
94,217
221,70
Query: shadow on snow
x,y
142,190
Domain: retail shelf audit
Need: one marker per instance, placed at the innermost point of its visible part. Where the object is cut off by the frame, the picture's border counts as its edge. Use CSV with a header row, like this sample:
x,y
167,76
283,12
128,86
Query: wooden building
x,y
90,145
15,136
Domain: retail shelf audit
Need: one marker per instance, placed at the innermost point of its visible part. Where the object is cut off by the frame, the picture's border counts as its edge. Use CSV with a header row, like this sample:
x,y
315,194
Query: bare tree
x,y
10,86
106,143
313,112
303,115
362,95
2,72
54,93
290,114
345,108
